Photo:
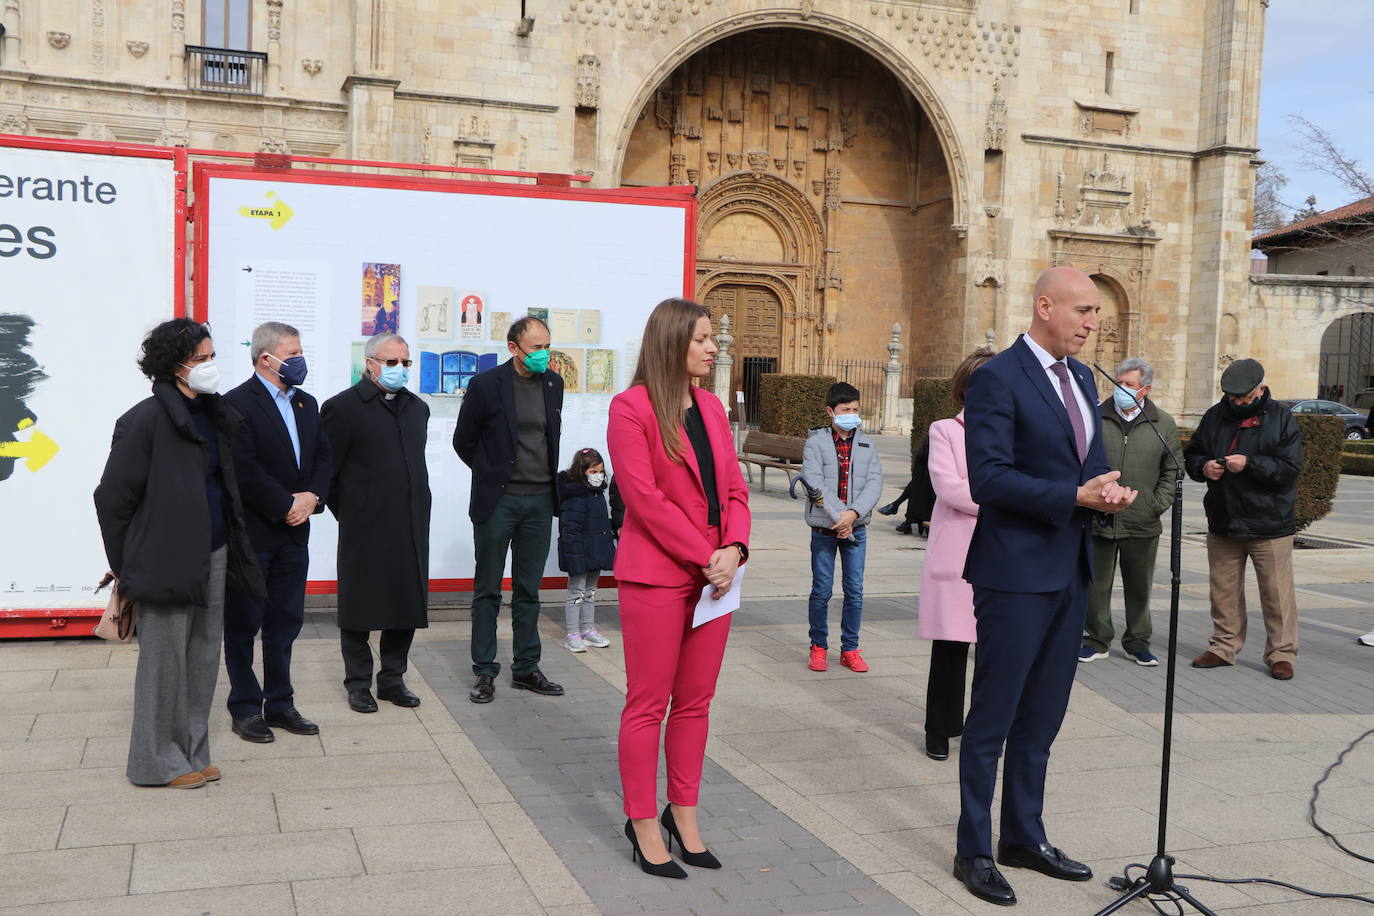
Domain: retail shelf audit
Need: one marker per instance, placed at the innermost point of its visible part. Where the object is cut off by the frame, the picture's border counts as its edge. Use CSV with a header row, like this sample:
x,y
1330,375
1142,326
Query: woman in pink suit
x,y
686,525
946,602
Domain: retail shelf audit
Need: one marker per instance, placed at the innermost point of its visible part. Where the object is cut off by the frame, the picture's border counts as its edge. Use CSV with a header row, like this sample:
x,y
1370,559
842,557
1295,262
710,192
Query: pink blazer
x,y
946,602
665,539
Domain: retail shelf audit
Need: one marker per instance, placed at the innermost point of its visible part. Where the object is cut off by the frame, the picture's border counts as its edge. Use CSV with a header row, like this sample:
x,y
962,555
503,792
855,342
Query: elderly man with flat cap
x,y
1248,450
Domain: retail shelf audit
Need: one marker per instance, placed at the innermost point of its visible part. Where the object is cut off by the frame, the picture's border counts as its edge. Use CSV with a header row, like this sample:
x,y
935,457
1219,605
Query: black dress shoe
x,y
889,509
1044,858
254,728
983,880
904,528
536,681
399,695
292,721
937,748
483,689
361,701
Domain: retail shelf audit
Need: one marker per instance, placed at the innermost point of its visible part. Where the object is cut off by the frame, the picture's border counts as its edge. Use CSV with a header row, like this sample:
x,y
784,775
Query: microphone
x,y
1177,466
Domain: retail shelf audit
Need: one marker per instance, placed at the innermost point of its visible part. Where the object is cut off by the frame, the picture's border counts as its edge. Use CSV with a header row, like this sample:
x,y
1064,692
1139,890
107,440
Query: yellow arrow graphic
x,y
277,215
38,450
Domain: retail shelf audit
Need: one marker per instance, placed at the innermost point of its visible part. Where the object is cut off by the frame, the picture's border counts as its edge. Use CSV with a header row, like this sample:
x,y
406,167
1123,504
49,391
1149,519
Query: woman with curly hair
x,y
172,522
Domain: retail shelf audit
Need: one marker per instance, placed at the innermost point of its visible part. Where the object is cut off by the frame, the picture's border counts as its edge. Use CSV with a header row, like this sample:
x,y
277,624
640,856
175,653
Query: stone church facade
x,y
858,164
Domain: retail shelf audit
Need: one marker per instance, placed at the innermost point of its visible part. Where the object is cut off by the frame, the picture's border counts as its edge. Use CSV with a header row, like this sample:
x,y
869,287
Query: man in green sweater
x,y
1131,537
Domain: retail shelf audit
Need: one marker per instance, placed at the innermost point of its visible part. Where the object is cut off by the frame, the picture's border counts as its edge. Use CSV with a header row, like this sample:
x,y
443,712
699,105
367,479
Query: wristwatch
x,y
743,551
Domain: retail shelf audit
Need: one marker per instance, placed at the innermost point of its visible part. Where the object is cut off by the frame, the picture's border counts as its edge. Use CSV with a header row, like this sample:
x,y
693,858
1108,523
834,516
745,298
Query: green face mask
x,y
537,362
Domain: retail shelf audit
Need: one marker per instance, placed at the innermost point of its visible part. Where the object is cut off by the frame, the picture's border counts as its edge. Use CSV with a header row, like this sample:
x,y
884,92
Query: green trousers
x,y
521,525
1136,557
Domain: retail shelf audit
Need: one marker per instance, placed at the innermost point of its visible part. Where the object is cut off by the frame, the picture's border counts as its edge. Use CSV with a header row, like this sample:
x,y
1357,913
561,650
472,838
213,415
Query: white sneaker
x,y
1368,638
595,639
575,643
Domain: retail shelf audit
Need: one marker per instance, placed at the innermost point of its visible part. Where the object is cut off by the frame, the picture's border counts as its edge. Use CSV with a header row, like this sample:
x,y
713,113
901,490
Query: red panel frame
x,y
683,196
17,623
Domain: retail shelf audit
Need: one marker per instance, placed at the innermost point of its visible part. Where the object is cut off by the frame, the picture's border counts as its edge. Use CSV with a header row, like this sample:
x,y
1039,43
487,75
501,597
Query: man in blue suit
x,y
1038,471
283,464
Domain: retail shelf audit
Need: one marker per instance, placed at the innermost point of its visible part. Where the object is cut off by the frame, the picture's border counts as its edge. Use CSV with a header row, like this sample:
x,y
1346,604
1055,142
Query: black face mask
x,y
1246,411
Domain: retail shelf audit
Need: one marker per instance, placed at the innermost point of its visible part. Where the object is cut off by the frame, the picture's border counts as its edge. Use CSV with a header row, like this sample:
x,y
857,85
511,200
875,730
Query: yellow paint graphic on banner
x,y
39,449
278,215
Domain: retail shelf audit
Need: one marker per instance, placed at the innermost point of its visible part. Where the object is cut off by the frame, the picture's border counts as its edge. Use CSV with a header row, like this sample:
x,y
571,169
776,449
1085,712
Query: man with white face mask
x,y
1130,538
380,495
283,464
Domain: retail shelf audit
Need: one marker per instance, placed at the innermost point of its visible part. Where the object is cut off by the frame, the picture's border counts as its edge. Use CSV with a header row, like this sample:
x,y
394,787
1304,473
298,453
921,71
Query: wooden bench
x,y
769,450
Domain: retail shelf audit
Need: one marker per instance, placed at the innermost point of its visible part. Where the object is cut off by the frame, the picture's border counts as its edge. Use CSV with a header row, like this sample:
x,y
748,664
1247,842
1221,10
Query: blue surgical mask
x,y
292,371
848,421
1125,399
393,378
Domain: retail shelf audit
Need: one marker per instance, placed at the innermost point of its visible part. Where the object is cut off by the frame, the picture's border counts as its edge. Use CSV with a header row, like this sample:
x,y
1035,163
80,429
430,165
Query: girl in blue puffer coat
x,y
586,545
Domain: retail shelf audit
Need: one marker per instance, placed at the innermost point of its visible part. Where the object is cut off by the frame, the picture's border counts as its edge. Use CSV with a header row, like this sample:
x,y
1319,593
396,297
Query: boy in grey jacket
x,y
843,463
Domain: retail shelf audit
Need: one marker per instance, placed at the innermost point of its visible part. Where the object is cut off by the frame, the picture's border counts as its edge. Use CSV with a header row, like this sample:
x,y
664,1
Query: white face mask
x,y
597,480
204,378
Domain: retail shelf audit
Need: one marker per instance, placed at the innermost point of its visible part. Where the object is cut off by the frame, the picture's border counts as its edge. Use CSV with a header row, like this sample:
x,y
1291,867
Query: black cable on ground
x,y
1126,883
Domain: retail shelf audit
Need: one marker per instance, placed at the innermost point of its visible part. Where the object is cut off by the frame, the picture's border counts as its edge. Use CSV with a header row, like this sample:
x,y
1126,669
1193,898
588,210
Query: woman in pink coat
x,y
946,601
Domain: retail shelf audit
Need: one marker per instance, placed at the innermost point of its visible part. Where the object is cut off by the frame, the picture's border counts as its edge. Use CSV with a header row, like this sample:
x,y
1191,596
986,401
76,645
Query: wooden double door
x,y
756,324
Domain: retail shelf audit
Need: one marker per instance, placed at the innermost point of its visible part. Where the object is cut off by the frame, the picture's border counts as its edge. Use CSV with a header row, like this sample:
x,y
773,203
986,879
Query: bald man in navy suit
x,y
1039,473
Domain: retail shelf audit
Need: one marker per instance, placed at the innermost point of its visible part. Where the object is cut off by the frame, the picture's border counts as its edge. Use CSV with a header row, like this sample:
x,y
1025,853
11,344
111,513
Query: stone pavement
x,y
817,796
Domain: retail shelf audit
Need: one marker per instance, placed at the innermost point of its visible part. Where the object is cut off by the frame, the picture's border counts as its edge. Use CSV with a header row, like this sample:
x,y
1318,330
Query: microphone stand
x,y
1159,876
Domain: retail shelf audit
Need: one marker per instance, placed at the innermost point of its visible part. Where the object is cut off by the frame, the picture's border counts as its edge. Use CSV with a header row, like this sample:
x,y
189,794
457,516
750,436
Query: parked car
x,y
1354,419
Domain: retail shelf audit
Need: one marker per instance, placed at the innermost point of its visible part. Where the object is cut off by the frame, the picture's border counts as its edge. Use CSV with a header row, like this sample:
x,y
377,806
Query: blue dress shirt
x,y
283,401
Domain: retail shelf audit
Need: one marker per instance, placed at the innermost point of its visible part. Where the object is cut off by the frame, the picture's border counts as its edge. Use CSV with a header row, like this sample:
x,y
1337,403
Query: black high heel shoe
x,y
702,859
669,869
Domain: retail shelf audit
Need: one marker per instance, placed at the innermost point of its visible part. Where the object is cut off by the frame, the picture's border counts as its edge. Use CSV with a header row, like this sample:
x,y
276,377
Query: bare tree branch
x,y
1321,154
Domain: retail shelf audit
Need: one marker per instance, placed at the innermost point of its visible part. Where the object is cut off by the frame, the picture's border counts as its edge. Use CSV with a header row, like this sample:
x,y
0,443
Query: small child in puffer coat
x,y
586,545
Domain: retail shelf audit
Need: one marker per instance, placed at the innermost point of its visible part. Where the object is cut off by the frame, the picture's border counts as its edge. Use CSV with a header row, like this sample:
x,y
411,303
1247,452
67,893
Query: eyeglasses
x,y
187,330
392,362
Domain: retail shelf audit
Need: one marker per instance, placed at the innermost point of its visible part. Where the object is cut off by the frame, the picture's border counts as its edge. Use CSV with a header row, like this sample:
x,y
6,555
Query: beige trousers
x,y
1273,559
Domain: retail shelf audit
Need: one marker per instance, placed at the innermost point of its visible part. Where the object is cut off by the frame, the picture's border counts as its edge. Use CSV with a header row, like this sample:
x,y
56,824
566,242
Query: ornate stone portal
x,y
818,176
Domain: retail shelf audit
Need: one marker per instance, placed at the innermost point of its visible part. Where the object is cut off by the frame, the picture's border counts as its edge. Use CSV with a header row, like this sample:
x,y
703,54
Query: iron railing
x,y
221,70
867,375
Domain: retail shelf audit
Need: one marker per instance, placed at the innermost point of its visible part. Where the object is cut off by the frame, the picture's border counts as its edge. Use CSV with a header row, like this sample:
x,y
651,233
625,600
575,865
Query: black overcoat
x,y
585,539
152,509
380,495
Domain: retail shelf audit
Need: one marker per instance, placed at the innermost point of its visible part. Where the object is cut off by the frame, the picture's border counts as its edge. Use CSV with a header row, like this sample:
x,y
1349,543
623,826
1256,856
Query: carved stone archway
x,y
863,41
795,277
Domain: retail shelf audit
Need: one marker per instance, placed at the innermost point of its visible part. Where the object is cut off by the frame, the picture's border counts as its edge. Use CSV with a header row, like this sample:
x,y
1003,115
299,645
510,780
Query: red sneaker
x,y
818,662
854,661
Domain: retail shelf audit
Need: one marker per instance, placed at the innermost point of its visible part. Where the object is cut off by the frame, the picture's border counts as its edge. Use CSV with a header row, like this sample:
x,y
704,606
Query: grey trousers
x,y
579,610
178,664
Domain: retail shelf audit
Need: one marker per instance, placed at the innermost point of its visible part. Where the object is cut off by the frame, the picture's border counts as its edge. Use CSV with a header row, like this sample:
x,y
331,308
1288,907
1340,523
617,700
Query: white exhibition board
x,y
87,267
340,261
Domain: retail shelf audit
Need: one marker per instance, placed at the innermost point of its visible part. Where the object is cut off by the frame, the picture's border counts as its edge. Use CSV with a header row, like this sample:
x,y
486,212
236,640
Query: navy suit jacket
x,y
484,436
1024,473
265,463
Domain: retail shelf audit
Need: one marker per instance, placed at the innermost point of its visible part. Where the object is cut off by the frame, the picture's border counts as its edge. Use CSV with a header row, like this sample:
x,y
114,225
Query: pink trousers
x,y
665,659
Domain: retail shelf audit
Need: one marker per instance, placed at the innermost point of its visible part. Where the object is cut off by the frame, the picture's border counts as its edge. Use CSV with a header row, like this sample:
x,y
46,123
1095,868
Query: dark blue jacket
x,y
585,540
1024,473
266,464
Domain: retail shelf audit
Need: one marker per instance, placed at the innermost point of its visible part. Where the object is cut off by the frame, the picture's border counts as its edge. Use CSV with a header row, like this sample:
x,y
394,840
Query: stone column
x,y
177,61
9,55
725,364
273,84
892,382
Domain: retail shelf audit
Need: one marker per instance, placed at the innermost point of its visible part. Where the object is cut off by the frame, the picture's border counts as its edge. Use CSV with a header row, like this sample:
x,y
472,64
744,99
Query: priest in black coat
x,y
380,495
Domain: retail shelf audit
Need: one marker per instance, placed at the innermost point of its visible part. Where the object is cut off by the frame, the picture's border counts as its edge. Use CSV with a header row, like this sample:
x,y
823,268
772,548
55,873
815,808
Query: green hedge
x,y
1322,438
1358,446
930,401
1362,465
789,405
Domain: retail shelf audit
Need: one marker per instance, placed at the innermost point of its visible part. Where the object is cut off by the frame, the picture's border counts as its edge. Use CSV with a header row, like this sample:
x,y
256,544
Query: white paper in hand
x,y
709,608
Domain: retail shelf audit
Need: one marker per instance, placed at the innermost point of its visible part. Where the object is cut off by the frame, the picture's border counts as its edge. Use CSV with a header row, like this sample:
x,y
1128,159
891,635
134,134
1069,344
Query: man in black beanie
x,y
1248,450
